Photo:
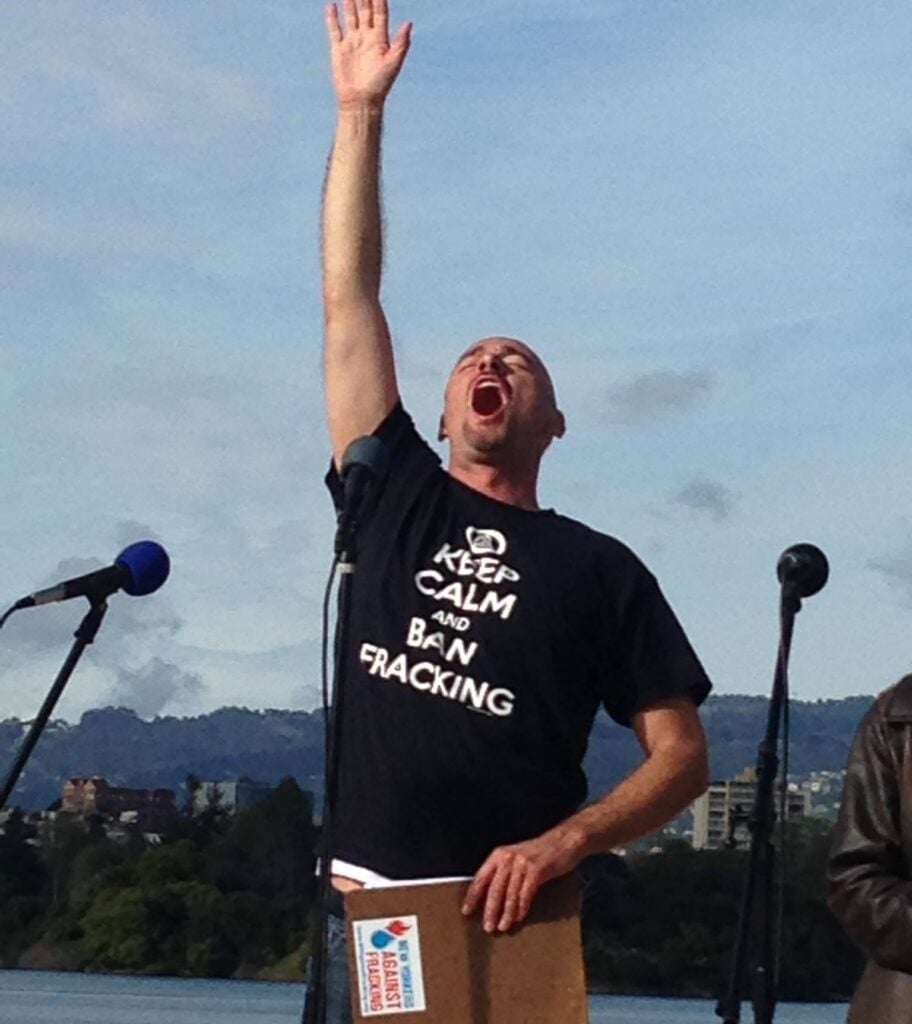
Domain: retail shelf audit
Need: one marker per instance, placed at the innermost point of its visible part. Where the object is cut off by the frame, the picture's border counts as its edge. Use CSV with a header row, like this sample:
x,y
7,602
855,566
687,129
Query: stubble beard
x,y
487,441
484,444
501,446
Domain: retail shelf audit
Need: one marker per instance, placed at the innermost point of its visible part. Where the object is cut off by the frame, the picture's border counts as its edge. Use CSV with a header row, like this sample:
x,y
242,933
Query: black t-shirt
x,y
483,639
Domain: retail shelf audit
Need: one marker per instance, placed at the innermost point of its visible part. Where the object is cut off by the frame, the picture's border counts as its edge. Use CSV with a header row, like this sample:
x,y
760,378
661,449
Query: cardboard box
x,y
414,957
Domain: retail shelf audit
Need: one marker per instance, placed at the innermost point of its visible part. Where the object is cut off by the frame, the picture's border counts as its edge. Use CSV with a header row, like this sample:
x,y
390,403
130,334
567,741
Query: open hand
x,y
364,61
508,880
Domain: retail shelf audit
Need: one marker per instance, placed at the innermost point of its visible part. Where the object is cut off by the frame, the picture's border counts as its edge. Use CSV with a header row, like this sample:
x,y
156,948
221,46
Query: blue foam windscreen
x,y
147,564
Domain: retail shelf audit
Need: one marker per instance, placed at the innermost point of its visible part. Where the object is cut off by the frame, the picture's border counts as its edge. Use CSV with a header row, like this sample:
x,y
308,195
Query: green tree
x,y
175,862
117,931
24,887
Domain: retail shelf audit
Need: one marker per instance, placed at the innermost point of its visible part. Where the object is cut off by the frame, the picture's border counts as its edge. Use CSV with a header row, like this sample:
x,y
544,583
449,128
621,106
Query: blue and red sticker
x,y
383,937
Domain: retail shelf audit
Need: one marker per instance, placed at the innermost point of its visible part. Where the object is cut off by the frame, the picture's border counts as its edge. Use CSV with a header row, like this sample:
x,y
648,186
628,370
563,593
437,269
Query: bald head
x,y
500,403
510,345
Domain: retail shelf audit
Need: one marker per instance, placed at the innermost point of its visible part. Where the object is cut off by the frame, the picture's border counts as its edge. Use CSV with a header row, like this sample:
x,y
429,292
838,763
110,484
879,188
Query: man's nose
x,y
491,362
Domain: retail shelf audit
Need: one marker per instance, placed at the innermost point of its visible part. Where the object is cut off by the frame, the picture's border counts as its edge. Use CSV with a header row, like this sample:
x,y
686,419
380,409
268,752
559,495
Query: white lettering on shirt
x,y
471,580
428,677
467,597
456,650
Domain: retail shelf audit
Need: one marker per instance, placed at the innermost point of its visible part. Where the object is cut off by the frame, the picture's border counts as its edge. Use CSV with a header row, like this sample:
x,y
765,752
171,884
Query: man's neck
x,y
495,482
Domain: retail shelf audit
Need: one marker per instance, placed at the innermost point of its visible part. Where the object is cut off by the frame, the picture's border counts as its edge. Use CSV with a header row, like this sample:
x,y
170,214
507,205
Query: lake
x,y
38,997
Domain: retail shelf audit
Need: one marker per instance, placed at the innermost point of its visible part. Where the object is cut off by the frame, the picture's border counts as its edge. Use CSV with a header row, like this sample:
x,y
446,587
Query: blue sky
x,y
697,212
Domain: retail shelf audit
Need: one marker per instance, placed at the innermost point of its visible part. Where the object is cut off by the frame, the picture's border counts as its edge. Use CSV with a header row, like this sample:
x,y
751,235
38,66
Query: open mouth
x,y
487,398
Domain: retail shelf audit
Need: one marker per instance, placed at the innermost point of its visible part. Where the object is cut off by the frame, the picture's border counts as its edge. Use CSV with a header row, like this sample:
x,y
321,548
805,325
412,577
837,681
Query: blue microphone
x,y
139,569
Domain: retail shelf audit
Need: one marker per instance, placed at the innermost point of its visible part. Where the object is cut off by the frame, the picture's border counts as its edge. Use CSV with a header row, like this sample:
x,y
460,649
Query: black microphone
x,y
139,569
364,463
804,568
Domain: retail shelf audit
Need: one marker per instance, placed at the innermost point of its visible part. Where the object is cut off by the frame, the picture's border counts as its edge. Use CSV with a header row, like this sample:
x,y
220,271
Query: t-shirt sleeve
x,y
411,458
652,659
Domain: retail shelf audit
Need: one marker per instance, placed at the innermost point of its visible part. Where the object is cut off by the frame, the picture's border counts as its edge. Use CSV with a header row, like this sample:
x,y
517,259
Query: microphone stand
x,y
364,462
315,1005
762,853
85,635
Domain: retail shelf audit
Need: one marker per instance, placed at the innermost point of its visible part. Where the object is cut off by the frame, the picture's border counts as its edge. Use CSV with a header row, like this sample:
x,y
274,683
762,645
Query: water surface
x,y
40,997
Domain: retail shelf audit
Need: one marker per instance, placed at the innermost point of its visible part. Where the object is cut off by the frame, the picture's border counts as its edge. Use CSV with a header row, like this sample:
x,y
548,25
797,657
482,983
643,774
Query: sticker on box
x,y
388,959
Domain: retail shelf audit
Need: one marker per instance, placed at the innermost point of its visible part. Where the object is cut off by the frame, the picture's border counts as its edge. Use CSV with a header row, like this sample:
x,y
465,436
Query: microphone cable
x,y
315,1012
364,462
324,677
783,822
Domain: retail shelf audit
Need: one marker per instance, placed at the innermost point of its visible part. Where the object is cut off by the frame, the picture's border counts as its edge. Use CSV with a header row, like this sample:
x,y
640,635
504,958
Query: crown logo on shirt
x,y
485,542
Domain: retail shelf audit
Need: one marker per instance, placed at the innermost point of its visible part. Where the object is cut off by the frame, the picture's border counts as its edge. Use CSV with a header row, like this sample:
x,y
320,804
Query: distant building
x,y
825,788
720,815
231,796
150,809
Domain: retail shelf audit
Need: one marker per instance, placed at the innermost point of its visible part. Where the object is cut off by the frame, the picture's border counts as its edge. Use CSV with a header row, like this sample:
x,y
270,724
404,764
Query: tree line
x,y
665,923
221,896
231,896
269,745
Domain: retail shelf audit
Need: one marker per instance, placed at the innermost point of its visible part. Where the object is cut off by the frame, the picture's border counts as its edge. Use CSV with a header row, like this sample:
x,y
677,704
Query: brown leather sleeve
x,y
868,876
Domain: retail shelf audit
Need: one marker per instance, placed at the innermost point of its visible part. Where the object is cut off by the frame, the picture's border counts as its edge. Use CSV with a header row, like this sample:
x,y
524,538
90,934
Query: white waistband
x,y
372,880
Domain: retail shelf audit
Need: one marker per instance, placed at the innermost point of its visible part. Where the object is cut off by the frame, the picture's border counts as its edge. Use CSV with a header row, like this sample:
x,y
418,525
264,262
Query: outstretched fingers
x,y
367,14
332,24
402,40
351,15
381,20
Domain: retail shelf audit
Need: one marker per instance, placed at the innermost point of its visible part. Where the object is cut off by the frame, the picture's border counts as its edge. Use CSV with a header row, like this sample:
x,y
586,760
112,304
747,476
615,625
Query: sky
x,y
698,212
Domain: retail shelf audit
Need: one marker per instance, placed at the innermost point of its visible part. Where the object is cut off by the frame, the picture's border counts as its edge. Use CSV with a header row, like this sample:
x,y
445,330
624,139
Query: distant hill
x,y
268,745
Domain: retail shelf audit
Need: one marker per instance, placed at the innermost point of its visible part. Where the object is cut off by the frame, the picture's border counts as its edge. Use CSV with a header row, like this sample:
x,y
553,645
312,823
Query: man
x,y
485,631
870,890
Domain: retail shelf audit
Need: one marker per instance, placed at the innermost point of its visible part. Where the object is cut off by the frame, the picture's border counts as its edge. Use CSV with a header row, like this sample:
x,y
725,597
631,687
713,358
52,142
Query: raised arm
x,y
360,376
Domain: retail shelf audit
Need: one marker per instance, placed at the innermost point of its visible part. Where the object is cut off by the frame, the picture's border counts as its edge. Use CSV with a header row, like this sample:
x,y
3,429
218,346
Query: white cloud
x,y
155,687
630,189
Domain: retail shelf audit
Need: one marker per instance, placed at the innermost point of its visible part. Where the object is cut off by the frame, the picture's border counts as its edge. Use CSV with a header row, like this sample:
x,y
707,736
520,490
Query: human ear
x,y
560,424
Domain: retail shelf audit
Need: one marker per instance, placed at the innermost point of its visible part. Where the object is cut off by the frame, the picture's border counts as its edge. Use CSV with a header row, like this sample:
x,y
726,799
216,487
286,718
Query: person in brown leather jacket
x,y
870,890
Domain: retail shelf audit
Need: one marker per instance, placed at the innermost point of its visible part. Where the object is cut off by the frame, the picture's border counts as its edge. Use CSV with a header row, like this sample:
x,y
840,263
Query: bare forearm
x,y
673,773
658,790
352,232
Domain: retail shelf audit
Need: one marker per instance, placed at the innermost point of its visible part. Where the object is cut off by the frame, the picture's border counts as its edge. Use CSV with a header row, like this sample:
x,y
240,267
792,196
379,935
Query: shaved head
x,y
500,406
513,345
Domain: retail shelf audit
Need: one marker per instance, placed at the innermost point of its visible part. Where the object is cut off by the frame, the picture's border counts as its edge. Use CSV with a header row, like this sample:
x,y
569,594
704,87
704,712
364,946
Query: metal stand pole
x,y
760,867
315,1002
85,635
